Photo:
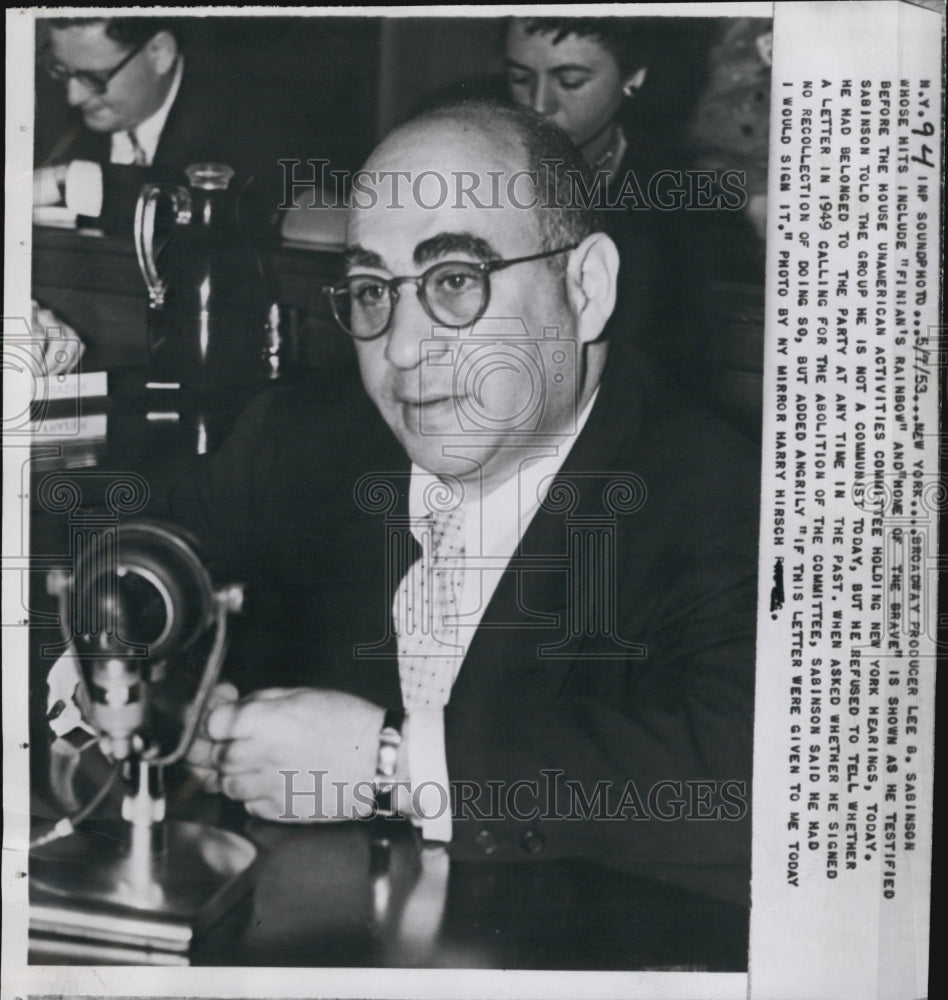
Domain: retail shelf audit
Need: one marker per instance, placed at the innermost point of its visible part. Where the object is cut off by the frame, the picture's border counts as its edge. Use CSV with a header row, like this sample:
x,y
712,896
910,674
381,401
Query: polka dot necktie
x,y
426,611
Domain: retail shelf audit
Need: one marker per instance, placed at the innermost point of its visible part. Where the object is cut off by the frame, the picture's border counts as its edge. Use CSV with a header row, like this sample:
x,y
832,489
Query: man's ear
x,y
633,83
591,284
162,52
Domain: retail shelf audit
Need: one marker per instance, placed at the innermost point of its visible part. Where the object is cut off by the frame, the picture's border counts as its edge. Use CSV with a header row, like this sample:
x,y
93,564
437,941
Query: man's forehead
x,y
425,181
403,236
87,43
450,144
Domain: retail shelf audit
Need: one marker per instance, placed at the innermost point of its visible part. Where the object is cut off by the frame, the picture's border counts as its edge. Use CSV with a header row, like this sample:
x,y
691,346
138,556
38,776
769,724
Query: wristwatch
x,y
390,739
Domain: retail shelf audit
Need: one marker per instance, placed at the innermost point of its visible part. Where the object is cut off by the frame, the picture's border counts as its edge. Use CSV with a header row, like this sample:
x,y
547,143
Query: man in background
x,y
143,111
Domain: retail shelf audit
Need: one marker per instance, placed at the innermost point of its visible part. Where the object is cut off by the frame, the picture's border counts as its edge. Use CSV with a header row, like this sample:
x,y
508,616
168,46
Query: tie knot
x,y
141,157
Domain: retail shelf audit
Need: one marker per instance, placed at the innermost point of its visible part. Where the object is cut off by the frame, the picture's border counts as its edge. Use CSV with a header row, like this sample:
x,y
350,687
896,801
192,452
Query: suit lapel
x,y
196,117
380,545
526,625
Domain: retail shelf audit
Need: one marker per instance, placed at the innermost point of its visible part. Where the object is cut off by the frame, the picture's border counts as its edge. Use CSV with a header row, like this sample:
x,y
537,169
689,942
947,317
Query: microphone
x,y
136,602
139,607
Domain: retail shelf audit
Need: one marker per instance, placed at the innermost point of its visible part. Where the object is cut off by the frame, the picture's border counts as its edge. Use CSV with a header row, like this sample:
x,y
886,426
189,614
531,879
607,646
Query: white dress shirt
x,y
494,525
84,178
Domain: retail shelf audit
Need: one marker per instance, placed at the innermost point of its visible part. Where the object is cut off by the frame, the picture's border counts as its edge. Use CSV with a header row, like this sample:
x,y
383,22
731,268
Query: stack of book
x,y
69,413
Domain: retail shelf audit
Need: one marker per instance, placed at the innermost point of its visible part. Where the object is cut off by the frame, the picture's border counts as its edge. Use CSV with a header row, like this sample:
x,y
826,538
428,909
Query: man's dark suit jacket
x,y
213,119
311,493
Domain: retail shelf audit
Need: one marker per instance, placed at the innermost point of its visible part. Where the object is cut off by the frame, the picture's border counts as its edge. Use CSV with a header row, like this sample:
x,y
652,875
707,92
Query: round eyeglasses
x,y
453,293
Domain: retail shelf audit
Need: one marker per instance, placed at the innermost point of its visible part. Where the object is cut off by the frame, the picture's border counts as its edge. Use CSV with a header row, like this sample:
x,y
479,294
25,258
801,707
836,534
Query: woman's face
x,y
576,83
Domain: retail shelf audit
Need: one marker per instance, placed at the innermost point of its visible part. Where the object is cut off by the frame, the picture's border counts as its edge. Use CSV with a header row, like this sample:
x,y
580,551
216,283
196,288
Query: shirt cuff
x,y
428,773
84,188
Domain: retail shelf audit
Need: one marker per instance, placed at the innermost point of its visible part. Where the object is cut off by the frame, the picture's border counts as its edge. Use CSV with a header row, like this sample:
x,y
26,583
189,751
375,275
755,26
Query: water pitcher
x,y
212,319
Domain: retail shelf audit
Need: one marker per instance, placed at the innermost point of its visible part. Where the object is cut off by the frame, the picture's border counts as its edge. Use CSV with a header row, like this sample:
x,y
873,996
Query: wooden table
x,y
336,895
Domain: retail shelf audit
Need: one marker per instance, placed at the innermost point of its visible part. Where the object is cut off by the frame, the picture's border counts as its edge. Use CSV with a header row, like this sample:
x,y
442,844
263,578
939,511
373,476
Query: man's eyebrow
x,y
447,243
93,70
358,256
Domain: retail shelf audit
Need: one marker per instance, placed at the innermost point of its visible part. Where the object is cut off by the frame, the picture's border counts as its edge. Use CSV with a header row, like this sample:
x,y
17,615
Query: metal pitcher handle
x,y
144,231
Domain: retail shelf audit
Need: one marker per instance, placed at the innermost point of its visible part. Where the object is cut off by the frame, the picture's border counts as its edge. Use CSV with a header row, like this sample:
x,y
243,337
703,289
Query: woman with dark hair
x,y
582,74
623,89
611,85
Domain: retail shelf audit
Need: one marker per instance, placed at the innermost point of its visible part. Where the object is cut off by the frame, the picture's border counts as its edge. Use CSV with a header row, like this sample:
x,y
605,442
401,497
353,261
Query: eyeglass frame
x,y
486,267
95,80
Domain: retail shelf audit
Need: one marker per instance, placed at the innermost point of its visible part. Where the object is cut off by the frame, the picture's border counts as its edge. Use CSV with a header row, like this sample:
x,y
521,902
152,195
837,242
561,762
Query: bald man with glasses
x,y
143,111
519,608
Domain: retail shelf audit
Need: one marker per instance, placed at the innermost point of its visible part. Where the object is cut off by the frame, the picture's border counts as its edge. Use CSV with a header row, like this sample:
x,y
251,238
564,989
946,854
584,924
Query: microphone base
x,y
141,894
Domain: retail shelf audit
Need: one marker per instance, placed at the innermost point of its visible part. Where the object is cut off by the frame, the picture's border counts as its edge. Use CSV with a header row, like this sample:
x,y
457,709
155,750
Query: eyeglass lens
x,y
452,293
85,78
94,80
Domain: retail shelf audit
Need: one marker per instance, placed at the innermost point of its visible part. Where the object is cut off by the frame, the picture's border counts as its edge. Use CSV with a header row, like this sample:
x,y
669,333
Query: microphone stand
x,y
140,884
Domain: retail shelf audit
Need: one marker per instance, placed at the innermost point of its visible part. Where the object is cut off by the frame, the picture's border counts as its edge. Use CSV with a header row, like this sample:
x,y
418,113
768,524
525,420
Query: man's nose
x,y
410,327
76,93
543,99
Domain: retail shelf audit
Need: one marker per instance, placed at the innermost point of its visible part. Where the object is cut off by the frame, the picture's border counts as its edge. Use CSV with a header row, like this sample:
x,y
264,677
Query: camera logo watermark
x,y
39,401
501,378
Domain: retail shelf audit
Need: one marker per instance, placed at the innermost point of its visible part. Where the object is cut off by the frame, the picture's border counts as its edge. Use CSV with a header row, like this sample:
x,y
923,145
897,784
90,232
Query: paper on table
x,y
320,226
54,215
77,385
74,427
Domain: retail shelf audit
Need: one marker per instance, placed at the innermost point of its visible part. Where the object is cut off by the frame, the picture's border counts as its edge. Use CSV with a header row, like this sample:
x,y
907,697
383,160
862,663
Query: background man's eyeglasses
x,y
96,80
453,293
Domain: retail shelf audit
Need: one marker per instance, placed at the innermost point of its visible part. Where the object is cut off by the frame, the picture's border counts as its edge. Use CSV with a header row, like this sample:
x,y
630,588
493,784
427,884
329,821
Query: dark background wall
x,y
419,57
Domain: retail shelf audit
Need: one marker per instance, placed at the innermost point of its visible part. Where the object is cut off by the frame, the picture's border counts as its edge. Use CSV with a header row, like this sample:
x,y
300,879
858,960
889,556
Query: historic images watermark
x,y
667,190
547,797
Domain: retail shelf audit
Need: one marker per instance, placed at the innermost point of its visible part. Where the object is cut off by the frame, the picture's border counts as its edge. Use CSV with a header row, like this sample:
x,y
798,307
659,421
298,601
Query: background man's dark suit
x,y
273,506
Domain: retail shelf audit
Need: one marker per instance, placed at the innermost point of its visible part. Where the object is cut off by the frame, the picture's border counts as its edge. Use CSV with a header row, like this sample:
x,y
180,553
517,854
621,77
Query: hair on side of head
x,y
554,164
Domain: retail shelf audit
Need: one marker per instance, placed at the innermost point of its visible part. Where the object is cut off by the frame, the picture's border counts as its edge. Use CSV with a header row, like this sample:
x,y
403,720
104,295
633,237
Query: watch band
x,y
390,739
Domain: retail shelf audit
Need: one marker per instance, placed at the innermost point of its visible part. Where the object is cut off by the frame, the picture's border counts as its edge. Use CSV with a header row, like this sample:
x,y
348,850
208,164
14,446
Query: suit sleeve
x,y
277,466
218,499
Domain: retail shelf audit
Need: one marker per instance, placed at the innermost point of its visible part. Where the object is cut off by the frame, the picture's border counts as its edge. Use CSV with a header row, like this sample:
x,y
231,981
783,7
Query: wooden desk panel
x,y
92,282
